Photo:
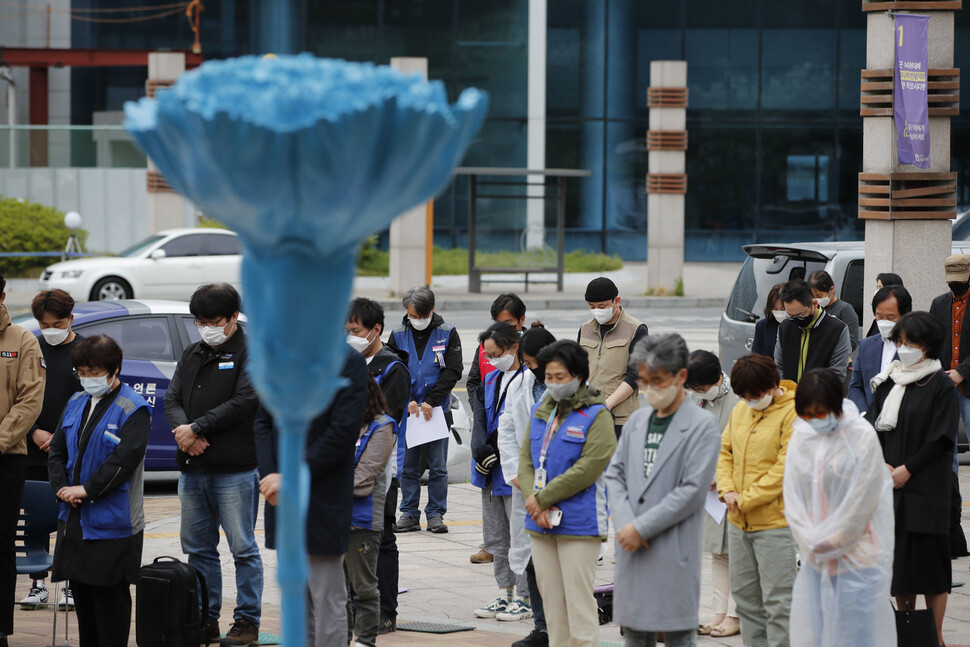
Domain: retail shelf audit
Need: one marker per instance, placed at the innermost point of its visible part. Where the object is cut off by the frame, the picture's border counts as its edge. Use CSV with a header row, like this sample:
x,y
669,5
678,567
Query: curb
x,y
444,303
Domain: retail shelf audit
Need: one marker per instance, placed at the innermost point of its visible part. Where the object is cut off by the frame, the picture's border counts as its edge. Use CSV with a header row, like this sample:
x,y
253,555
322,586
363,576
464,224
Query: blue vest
x,y
584,513
110,516
425,370
494,406
401,424
363,512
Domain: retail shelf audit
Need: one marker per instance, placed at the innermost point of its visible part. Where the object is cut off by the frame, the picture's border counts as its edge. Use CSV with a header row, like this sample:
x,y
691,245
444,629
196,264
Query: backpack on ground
x,y
167,604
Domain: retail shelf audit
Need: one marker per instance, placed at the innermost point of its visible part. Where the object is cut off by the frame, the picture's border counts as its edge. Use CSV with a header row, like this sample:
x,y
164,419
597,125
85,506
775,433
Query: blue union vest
x,y
494,406
401,424
363,511
425,370
584,513
110,516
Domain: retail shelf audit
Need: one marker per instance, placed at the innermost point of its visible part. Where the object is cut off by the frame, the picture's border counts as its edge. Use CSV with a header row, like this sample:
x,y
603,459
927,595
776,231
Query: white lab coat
x,y
838,502
513,429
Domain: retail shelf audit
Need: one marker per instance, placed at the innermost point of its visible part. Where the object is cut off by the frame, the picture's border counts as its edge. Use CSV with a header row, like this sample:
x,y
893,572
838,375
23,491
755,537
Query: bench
x,y
475,279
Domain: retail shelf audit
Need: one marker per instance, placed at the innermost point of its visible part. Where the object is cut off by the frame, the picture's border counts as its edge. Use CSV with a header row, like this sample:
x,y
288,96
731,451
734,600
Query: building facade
x,y
775,136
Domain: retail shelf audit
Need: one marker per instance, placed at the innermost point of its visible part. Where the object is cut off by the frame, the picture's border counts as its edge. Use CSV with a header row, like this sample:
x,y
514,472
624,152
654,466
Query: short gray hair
x,y
666,352
421,299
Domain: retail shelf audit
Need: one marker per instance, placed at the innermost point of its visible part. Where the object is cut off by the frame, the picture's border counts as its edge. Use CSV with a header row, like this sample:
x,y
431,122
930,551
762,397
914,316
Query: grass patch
x,y
374,262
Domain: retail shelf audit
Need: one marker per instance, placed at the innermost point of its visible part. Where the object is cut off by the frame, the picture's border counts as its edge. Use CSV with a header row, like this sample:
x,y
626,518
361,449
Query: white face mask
x,y
55,336
95,386
563,391
602,315
710,394
420,324
213,335
661,398
909,355
824,301
502,363
761,403
359,344
780,315
885,327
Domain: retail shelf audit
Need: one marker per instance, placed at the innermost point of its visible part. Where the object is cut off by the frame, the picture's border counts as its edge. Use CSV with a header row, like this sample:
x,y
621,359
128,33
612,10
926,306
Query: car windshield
x,y
140,247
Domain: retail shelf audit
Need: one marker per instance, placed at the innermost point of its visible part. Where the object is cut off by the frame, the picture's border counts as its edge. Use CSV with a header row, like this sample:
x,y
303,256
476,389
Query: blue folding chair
x,y
38,519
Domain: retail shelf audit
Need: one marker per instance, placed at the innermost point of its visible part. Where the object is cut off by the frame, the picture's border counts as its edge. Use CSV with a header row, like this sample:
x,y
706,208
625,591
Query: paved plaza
x,y
442,585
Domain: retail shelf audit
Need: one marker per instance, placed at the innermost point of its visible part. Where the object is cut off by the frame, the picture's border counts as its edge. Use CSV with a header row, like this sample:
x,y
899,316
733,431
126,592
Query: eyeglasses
x,y
76,374
200,323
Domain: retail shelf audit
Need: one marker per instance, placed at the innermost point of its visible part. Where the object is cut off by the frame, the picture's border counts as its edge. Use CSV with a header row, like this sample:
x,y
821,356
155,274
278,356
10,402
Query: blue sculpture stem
x,y
296,300
292,563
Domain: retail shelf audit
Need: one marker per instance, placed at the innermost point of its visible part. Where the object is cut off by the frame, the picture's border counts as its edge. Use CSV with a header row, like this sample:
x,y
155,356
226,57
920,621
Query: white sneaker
x,y
67,600
518,609
36,598
493,608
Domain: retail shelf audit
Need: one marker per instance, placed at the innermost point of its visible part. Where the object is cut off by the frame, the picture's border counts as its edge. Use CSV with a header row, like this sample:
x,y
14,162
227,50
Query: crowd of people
x,y
819,474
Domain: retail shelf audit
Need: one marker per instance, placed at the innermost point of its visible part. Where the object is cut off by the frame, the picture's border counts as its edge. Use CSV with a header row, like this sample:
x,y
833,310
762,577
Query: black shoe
x,y
386,626
407,523
437,525
210,633
242,633
3,639
538,638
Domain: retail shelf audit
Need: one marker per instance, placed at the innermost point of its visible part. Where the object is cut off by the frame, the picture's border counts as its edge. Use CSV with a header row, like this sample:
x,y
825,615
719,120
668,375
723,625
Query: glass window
x,y
807,177
186,245
798,69
721,201
852,59
140,247
493,53
145,338
722,68
188,323
852,286
345,29
575,58
221,245
423,28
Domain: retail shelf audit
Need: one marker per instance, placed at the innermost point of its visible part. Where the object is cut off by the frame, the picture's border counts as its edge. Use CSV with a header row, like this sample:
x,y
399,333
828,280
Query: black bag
x,y
916,628
604,603
167,610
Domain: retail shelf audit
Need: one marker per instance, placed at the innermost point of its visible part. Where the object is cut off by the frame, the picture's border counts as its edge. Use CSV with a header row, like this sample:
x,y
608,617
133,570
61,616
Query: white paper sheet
x,y
714,506
420,431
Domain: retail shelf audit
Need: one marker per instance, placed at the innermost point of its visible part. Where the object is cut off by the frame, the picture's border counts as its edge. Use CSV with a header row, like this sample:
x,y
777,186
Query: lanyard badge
x,y
541,475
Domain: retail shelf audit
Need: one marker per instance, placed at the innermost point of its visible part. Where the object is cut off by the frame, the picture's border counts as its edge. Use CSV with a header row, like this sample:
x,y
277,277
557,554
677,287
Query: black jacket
x,y
211,390
765,336
942,311
331,440
825,336
396,385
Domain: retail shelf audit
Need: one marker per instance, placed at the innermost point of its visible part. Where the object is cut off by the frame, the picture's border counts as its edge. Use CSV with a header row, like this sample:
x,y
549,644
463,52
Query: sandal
x,y
704,630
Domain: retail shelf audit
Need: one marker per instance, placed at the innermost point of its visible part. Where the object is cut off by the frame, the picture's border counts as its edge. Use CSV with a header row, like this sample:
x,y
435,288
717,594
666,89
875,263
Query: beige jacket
x,y
22,381
609,359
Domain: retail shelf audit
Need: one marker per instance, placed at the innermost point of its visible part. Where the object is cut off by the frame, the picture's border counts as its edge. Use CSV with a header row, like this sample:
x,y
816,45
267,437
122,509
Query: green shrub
x,y
31,227
371,261
205,222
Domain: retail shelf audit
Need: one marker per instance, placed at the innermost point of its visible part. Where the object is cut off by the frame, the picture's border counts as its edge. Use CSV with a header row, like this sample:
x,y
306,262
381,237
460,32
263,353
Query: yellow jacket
x,y
752,462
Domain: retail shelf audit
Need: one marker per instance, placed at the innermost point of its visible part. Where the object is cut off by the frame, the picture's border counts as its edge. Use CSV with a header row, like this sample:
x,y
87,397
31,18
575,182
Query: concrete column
x,y
666,179
913,248
408,231
165,207
536,124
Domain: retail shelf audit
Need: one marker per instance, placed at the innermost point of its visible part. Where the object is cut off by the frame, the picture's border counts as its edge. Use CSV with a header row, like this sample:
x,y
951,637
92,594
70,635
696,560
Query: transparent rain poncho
x,y
838,502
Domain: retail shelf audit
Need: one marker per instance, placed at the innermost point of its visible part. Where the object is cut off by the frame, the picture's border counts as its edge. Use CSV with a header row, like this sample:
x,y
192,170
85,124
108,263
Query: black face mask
x,y
803,321
959,289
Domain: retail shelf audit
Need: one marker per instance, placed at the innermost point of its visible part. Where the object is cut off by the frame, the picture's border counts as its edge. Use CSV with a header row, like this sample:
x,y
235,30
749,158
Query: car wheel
x,y
111,288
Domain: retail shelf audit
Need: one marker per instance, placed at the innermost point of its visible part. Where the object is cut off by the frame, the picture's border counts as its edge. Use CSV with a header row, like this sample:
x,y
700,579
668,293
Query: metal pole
x,y
12,120
474,280
561,231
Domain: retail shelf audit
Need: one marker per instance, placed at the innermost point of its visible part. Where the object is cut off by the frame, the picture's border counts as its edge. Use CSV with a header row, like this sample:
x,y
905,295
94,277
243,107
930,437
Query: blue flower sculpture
x,y
304,158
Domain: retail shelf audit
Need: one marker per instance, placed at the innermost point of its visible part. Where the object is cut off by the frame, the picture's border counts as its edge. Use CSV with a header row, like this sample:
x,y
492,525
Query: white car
x,y
168,265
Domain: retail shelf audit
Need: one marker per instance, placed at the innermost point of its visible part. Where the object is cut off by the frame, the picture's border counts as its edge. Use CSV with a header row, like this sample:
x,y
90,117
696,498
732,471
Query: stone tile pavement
x,y
443,586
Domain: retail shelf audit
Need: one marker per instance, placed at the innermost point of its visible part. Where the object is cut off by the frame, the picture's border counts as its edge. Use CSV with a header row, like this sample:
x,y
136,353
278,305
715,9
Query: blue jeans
x,y
437,453
848,609
230,500
636,638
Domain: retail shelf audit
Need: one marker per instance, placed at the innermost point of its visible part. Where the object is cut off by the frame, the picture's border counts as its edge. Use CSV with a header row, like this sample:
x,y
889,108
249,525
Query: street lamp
x,y
72,220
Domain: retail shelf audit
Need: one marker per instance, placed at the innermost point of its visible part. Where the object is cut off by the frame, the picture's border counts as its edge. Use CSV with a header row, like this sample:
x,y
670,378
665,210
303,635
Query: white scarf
x,y
901,376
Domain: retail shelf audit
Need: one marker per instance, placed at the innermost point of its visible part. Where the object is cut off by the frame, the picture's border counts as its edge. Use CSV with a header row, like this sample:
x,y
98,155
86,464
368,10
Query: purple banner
x,y
910,108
